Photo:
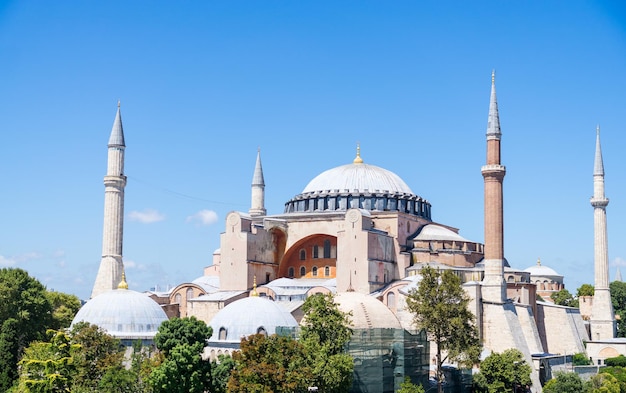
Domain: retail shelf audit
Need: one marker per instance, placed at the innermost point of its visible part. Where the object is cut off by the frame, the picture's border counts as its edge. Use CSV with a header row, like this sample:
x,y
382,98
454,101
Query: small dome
x,y
541,271
123,314
249,316
367,311
358,177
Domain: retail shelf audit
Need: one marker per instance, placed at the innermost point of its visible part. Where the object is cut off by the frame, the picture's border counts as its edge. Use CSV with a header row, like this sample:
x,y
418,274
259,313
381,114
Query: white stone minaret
x,y
111,266
602,317
257,206
493,285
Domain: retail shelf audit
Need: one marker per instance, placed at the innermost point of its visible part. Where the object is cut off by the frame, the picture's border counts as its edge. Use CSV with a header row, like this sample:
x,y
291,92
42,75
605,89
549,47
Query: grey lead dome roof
x,y
123,314
246,316
357,177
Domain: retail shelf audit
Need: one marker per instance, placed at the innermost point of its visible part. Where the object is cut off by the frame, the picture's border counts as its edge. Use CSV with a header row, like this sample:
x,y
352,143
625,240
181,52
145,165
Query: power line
x,y
180,194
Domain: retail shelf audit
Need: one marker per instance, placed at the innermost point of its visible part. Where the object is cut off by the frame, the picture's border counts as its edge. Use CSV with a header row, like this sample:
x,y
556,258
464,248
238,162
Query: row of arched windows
x,y
178,297
223,333
314,271
315,251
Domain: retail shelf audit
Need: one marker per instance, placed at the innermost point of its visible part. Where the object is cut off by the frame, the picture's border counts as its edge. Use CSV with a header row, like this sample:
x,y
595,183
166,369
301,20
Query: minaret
x,y
618,275
493,285
257,207
602,317
111,266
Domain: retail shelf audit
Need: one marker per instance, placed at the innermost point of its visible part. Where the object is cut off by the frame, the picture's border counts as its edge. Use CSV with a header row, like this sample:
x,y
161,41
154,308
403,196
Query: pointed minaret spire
x,y
598,165
602,317
117,133
493,285
618,275
493,122
111,265
257,206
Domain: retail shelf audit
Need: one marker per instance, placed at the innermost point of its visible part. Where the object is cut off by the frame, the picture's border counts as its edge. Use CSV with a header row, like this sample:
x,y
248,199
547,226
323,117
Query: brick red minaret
x,y
494,287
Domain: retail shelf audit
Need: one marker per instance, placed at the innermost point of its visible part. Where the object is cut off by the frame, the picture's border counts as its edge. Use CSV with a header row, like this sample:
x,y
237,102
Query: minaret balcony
x,y
493,169
599,202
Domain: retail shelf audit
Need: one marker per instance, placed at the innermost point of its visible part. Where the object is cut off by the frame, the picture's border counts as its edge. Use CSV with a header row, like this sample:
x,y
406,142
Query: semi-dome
x,y
123,314
361,186
367,311
248,316
438,232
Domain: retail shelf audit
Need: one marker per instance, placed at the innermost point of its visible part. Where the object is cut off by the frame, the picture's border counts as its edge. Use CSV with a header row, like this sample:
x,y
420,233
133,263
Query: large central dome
x,y
358,186
358,177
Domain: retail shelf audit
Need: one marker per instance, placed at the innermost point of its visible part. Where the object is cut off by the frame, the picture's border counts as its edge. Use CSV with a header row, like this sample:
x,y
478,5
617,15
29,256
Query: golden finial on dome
x,y
358,159
538,261
254,292
123,284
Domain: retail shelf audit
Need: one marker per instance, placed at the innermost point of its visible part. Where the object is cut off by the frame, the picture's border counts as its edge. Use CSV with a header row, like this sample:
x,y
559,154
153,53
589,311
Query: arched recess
x,y
320,251
279,238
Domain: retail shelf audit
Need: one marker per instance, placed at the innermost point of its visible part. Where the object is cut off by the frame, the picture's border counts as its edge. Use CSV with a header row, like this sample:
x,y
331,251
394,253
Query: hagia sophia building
x,y
359,231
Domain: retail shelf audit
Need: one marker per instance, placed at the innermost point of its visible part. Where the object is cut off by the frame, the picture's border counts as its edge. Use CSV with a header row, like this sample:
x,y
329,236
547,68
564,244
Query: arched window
x,y
189,293
326,248
510,279
316,252
302,271
261,330
302,254
223,334
391,300
178,298
291,272
327,271
314,271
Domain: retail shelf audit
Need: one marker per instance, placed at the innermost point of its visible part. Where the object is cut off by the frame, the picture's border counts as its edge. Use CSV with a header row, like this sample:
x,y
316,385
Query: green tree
x,y
408,387
64,308
602,383
182,371
564,298
618,298
181,341
98,353
501,372
9,350
274,364
325,333
619,373
439,306
119,379
46,367
182,331
585,290
220,372
618,361
25,313
564,383
580,359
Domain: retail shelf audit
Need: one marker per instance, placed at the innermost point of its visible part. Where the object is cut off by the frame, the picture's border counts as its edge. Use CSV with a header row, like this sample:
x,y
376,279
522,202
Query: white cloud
x,y
7,262
203,217
148,216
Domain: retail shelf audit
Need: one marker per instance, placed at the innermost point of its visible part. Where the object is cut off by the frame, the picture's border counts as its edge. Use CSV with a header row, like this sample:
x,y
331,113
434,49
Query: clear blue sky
x,y
204,83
